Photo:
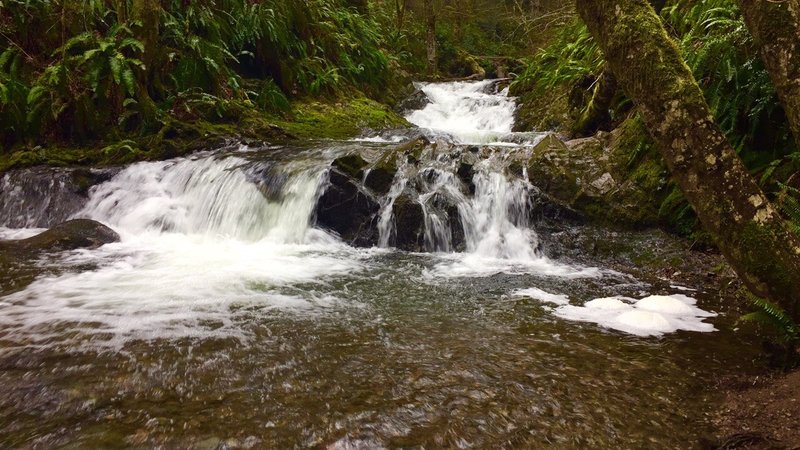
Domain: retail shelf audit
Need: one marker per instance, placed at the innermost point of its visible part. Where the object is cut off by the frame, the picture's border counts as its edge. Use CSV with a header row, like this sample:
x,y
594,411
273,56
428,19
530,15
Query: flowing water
x,y
226,319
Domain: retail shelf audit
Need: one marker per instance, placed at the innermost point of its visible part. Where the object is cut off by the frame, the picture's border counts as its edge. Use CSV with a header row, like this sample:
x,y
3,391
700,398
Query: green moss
x,y
758,254
334,120
338,120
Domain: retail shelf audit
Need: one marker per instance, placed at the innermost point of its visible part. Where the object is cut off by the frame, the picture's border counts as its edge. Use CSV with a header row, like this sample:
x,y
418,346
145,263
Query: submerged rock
x,y
348,211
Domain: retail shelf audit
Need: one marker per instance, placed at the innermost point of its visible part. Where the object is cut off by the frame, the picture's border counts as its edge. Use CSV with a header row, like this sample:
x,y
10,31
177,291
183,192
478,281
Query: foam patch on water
x,y
11,234
651,316
542,296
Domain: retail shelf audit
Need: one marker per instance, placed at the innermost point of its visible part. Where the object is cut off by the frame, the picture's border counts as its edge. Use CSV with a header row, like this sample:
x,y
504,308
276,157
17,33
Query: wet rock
x,y
70,235
18,259
352,165
416,101
379,180
41,197
347,210
409,224
466,174
381,174
447,208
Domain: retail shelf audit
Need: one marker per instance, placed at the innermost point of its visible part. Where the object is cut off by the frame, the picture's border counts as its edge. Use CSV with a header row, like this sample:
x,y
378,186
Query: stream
x,y
229,317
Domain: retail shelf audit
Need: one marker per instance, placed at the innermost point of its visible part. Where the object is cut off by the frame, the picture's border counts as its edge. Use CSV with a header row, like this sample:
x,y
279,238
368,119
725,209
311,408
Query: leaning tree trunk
x,y
649,68
775,27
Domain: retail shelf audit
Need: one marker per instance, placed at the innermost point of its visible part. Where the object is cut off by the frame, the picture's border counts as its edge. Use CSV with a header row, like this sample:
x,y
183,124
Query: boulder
x,y
416,101
409,224
595,176
466,174
70,235
18,259
347,210
381,175
352,165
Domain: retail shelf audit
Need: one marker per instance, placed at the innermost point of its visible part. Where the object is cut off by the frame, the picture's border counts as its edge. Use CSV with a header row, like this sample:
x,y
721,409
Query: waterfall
x,y
470,112
225,196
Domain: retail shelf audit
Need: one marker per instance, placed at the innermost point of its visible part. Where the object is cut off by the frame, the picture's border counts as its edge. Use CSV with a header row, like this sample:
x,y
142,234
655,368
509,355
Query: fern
x,y
775,318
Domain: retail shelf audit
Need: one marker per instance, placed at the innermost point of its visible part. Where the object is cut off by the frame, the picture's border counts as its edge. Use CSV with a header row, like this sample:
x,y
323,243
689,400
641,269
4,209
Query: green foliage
x,y
571,56
788,201
103,80
726,63
784,331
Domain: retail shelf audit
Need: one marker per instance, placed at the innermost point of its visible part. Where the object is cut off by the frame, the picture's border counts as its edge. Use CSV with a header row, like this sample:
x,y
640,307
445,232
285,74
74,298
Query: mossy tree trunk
x,y
596,115
148,13
430,20
775,28
648,66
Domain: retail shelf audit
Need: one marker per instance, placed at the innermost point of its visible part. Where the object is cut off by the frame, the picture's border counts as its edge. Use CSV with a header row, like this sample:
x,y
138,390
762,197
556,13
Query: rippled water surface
x,y
226,319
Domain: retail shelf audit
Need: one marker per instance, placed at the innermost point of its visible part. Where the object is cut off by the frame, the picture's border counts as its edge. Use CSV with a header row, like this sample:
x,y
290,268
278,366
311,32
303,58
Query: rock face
x,y
410,223
590,179
348,210
592,175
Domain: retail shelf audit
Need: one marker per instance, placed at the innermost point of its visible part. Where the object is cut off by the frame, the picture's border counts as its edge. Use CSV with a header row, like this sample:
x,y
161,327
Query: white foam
x,y
665,305
651,316
166,285
542,296
379,139
607,304
456,265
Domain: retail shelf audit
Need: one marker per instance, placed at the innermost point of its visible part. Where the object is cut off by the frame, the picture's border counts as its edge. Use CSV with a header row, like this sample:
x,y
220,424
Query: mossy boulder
x,y
465,65
381,174
608,177
352,165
